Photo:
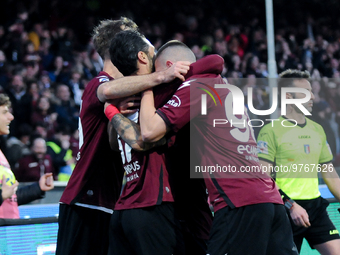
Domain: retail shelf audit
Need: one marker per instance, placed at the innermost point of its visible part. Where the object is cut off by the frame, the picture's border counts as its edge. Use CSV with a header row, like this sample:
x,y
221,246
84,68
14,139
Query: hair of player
x,y
287,77
124,50
174,51
105,32
4,100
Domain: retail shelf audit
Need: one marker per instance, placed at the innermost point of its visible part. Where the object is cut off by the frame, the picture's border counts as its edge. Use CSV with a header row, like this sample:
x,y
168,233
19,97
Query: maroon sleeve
x,y
180,108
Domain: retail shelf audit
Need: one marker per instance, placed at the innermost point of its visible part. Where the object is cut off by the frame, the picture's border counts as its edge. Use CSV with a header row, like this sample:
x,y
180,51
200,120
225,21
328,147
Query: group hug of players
x,y
146,130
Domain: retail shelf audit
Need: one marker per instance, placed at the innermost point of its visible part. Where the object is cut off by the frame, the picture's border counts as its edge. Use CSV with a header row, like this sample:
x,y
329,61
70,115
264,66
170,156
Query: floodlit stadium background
x,y
306,33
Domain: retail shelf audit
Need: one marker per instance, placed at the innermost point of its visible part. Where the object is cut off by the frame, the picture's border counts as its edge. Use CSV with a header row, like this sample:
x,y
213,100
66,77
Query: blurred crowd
x,y
47,58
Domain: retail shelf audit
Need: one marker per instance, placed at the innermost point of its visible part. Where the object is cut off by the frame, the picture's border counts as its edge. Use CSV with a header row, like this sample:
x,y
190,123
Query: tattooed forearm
x,y
130,132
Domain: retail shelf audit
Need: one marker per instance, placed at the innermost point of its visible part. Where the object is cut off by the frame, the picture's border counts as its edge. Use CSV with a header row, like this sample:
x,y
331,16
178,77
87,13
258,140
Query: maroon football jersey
x,y
222,145
97,177
147,179
147,176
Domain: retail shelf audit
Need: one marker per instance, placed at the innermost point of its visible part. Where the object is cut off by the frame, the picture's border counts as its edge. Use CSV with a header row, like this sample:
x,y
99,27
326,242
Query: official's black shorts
x,y
82,231
321,230
261,229
145,231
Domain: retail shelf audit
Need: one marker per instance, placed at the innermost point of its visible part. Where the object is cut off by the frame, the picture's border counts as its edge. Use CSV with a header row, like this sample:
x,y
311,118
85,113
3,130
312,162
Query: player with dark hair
x,y
123,52
249,215
94,187
144,211
301,146
87,202
193,212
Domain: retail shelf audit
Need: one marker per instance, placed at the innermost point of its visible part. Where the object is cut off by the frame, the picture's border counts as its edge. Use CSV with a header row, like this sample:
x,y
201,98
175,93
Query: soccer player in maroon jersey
x,y
141,169
143,221
249,215
93,189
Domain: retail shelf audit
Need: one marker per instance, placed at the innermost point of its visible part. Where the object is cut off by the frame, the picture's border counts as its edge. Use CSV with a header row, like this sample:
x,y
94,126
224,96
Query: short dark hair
x,y
179,52
124,50
287,77
106,30
170,44
4,100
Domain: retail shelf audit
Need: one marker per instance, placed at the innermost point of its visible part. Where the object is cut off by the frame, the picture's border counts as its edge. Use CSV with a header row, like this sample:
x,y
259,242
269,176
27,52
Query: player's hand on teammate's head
x,y
8,190
46,182
176,70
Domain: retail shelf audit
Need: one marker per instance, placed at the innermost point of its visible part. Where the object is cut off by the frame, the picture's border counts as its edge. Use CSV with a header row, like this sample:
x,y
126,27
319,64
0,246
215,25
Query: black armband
x,y
288,202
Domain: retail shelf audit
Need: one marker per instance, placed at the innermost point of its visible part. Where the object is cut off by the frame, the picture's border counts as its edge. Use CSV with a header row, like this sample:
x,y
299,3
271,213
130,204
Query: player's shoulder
x,y
100,78
207,80
186,84
103,77
93,84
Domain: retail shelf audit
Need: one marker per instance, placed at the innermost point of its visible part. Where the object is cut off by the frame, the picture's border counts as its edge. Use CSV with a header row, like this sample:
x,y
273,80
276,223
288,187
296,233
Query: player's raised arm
x,y
128,86
153,126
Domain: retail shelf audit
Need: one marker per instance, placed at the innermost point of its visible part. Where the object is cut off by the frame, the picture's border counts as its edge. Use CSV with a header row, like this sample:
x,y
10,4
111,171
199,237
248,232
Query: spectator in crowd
x,y
31,167
18,147
21,107
4,76
59,72
10,195
31,54
76,86
44,113
63,42
32,93
45,53
237,41
45,81
36,34
59,149
67,111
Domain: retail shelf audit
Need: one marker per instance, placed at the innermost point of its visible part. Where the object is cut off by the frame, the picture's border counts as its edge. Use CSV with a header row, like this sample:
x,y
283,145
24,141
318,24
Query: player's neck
x,y
111,70
297,116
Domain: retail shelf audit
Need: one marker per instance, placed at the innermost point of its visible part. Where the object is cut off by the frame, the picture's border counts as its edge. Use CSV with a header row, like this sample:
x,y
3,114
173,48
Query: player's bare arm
x,y
130,132
152,125
298,214
131,85
332,180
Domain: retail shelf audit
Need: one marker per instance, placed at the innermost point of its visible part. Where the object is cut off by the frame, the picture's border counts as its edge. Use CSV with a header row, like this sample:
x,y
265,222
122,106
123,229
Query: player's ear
x,y
169,63
142,57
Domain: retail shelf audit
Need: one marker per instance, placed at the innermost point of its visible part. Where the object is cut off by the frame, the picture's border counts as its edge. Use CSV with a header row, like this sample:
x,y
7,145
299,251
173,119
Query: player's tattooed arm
x,y
126,128
130,132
